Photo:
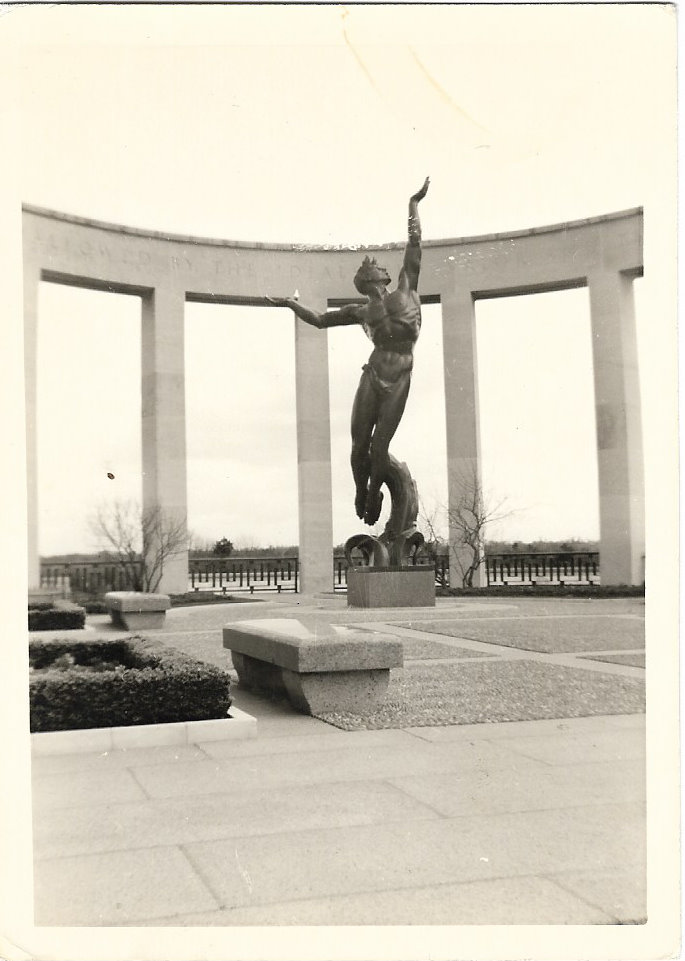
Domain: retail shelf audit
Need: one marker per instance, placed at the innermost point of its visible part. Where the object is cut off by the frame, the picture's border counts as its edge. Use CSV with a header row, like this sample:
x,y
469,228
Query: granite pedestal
x,y
391,587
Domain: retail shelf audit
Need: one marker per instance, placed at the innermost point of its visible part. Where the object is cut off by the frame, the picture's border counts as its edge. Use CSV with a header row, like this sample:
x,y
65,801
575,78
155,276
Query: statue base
x,y
391,587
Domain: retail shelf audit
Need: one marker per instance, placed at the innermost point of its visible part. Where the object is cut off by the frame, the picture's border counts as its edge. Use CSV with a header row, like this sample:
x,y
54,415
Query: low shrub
x,y
60,616
112,683
207,597
95,607
545,590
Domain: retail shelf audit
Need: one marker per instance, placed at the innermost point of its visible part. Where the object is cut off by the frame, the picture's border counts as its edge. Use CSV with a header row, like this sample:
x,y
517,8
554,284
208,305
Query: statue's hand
x,y
420,194
279,301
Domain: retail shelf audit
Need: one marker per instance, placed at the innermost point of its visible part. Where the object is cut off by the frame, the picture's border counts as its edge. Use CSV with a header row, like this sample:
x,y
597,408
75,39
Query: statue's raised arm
x,y
409,275
392,321
342,317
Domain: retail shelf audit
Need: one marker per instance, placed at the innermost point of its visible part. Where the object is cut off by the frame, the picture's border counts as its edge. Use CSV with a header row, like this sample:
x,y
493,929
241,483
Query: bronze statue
x,y
392,320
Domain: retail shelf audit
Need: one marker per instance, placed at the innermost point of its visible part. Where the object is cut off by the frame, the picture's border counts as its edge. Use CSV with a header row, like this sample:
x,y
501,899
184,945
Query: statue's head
x,y
370,272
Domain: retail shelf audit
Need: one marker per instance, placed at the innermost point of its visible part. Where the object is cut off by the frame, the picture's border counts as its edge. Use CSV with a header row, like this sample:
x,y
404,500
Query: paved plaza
x,y
533,815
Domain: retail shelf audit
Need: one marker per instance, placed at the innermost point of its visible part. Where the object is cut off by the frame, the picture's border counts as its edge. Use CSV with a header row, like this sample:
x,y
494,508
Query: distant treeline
x,y
571,545
277,550
540,547
291,550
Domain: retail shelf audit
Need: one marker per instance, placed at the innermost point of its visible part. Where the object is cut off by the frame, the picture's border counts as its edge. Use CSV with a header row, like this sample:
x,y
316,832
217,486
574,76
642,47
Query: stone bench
x,y
135,611
319,667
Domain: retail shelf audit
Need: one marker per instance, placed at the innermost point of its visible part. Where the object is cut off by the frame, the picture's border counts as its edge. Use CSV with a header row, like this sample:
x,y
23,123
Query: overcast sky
x,y
315,125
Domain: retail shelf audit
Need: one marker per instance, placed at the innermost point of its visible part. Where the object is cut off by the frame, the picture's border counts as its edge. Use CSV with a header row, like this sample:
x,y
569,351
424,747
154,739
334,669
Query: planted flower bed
x,y
116,683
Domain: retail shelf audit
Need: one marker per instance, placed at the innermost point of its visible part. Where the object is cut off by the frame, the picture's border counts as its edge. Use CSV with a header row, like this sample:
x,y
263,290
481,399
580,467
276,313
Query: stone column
x,y
462,422
315,498
31,286
164,434
619,430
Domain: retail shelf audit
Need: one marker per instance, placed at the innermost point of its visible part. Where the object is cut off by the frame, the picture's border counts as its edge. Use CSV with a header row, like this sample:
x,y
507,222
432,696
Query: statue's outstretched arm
x,y
409,275
342,317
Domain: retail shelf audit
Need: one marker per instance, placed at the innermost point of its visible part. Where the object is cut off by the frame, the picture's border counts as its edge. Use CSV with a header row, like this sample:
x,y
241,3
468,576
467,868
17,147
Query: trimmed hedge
x,y
130,681
94,607
60,616
206,597
544,590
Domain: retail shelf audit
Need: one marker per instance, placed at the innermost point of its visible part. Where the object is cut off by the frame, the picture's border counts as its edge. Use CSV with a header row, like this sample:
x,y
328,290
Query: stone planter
x,y
237,726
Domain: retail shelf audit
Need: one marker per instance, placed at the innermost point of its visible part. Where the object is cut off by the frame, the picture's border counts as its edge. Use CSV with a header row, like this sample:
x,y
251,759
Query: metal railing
x,y
572,567
244,574
252,574
86,577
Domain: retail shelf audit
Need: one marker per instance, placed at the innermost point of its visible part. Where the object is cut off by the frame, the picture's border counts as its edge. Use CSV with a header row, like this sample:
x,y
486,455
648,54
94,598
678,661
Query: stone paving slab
x,y
124,886
236,813
108,760
527,900
572,749
324,863
344,765
276,843
77,787
306,743
621,893
527,789
279,725
581,726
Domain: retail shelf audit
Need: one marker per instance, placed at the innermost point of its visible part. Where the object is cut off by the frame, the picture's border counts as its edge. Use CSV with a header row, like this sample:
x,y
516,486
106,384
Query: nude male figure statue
x,y
392,320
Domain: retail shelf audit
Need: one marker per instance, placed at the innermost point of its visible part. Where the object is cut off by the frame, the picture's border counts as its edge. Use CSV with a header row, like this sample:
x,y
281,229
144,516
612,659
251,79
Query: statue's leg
x,y
364,413
389,416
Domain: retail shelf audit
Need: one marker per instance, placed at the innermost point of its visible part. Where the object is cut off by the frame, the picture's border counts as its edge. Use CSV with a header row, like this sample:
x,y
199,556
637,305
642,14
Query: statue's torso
x,y
393,324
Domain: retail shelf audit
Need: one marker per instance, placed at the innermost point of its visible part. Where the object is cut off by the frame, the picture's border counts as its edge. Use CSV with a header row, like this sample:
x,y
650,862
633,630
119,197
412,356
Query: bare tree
x,y
430,521
467,519
469,516
141,541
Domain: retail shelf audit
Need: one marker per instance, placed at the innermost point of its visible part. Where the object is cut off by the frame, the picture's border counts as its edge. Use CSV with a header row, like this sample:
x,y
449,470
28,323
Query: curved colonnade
x,y
164,270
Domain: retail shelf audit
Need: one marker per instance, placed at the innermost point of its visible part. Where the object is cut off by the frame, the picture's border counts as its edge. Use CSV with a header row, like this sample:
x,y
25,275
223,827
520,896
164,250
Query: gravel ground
x,y
636,659
549,635
435,695
207,646
515,607
423,649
